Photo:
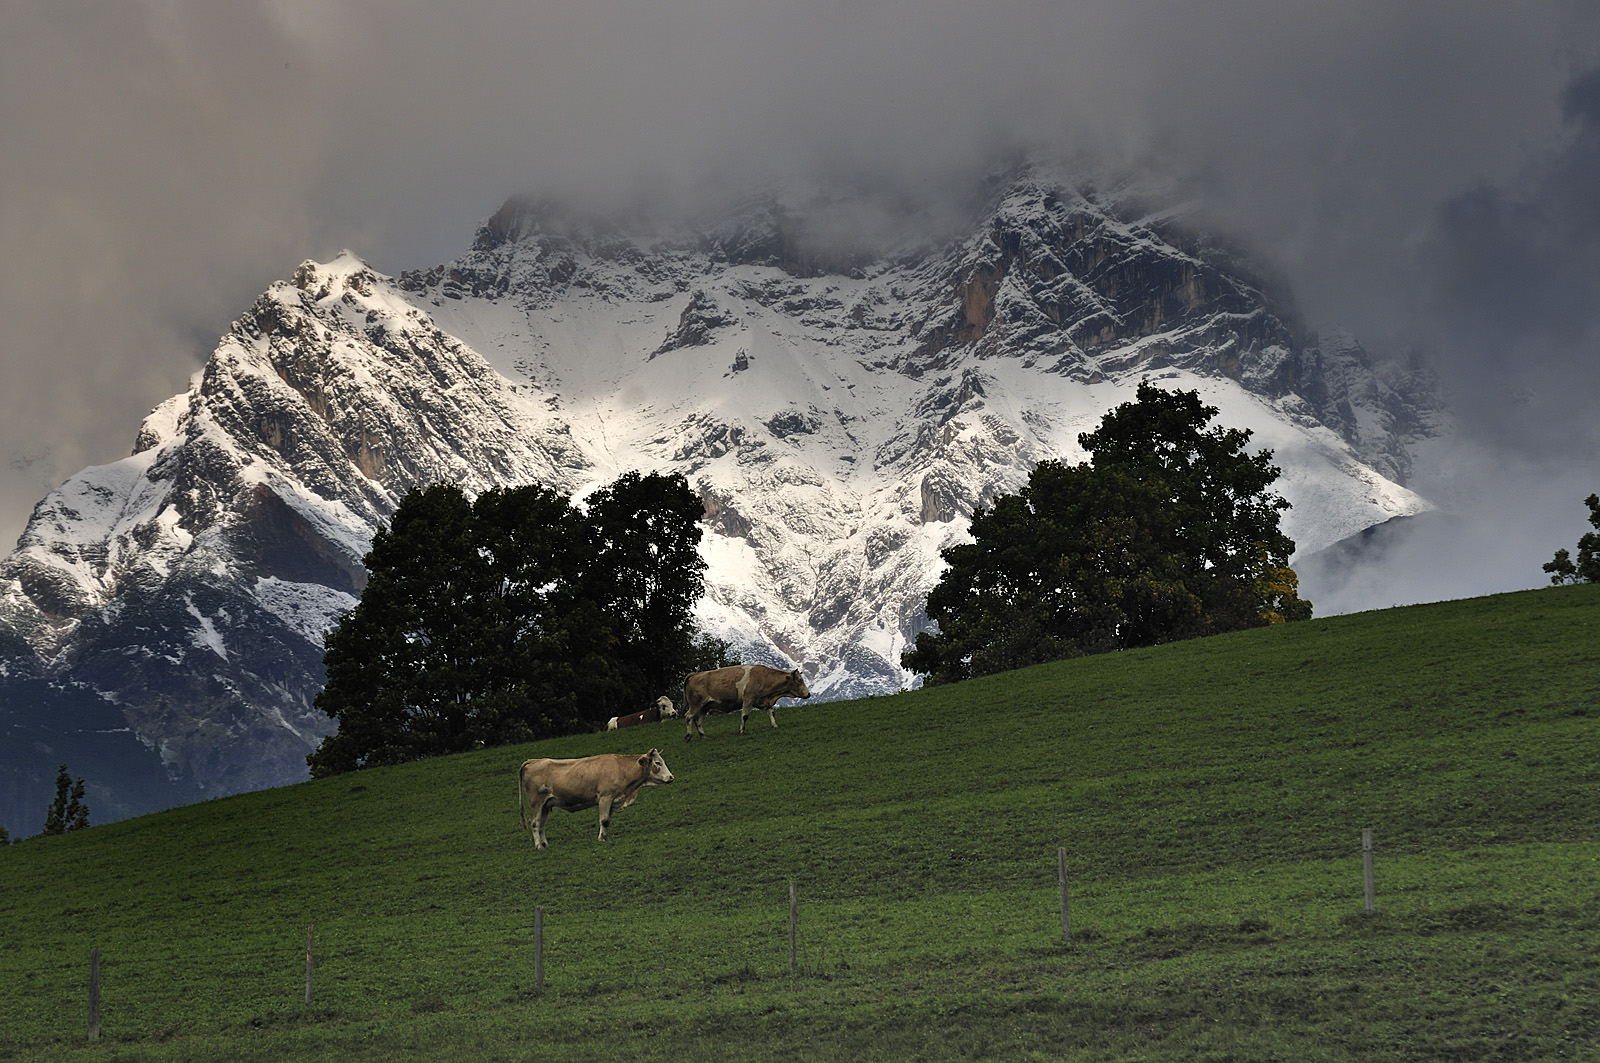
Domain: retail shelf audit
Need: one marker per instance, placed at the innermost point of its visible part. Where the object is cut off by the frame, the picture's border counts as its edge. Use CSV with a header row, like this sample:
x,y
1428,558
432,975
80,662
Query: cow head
x,y
656,771
796,686
664,703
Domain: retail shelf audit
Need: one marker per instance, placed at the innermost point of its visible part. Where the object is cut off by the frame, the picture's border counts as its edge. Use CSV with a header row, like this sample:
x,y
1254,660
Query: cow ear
x,y
644,761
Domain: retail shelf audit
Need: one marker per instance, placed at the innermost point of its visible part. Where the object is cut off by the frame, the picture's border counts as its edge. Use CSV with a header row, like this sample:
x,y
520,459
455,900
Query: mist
x,y
1421,173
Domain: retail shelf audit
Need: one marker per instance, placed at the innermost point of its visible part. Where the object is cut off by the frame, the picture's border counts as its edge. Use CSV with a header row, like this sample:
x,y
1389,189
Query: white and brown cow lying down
x,y
661,710
749,686
608,781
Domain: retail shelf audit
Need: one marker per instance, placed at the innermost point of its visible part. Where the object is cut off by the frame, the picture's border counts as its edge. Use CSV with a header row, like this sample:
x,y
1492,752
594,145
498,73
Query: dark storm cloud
x,y
1512,288
1502,294
163,161
141,201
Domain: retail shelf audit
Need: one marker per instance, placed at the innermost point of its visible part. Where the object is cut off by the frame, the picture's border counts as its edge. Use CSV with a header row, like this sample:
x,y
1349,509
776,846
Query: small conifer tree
x,y
77,813
68,811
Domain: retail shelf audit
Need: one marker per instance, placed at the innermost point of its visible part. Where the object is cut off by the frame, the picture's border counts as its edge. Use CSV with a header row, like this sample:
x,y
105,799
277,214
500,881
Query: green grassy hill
x,y
1210,797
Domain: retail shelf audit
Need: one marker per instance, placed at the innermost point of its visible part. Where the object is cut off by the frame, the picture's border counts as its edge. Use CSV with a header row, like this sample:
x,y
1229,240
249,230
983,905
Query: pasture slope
x,y
1210,796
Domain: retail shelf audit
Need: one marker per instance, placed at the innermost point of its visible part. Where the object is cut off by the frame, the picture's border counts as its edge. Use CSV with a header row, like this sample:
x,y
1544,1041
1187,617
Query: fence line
x,y
794,914
538,948
1367,850
1066,914
94,993
310,936
1366,871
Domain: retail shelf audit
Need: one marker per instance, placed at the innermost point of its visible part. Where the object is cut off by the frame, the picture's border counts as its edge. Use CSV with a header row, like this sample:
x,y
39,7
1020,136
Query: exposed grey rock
x,y
841,408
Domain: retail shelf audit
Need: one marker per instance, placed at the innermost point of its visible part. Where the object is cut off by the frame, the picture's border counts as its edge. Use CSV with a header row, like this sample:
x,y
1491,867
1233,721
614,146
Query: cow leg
x,y
539,815
605,815
772,714
744,714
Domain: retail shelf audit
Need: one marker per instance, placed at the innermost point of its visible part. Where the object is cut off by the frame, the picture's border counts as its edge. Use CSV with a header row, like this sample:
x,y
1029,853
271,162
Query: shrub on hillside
x,y
1587,569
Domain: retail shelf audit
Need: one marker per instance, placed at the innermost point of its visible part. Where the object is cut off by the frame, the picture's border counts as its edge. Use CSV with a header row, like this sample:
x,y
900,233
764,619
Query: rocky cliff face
x,y
840,412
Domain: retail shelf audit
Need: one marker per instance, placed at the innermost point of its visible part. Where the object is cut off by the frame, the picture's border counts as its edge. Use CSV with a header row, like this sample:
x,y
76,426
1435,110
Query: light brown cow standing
x,y
750,686
588,782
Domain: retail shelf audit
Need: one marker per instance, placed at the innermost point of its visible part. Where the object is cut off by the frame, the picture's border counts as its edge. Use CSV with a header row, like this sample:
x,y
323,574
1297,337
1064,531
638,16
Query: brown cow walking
x,y
750,686
602,781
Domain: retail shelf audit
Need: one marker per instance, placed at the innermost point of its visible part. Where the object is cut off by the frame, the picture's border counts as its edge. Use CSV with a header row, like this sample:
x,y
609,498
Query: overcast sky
x,y
1426,173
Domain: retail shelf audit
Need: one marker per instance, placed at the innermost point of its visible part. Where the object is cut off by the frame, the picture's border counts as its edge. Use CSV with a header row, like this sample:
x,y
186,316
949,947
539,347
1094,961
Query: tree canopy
x,y
1587,569
647,575
1168,532
512,617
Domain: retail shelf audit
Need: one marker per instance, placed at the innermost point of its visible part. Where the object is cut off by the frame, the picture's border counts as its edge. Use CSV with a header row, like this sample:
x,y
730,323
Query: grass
x,y
1210,796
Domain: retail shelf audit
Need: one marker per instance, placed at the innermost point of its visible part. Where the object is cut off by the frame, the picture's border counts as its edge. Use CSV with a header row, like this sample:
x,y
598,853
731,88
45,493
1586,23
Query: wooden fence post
x,y
1366,871
94,993
310,943
794,899
1066,915
538,948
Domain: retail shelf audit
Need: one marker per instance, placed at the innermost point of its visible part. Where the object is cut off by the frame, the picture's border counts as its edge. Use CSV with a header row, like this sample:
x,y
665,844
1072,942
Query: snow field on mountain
x,y
717,409
840,417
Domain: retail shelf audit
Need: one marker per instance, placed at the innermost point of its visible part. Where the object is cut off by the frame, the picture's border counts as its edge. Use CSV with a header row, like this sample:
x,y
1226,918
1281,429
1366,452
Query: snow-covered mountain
x,y
840,404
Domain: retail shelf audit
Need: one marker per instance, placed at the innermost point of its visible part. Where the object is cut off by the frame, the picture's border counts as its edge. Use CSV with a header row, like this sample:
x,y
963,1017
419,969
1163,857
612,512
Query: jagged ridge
x,y
839,413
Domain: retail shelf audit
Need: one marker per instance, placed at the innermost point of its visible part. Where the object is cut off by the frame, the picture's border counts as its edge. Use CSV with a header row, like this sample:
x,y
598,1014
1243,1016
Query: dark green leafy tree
x,y
1168,532
68,811
552,648
646,575
398,664
1587,569
509,618
707,652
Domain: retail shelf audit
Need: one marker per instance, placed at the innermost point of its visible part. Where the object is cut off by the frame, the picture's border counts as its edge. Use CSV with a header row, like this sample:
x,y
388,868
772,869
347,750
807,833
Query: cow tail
x,y
522,816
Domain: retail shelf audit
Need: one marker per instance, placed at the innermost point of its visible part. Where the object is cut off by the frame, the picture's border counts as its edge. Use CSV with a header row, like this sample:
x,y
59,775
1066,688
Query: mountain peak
x,y
840,387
